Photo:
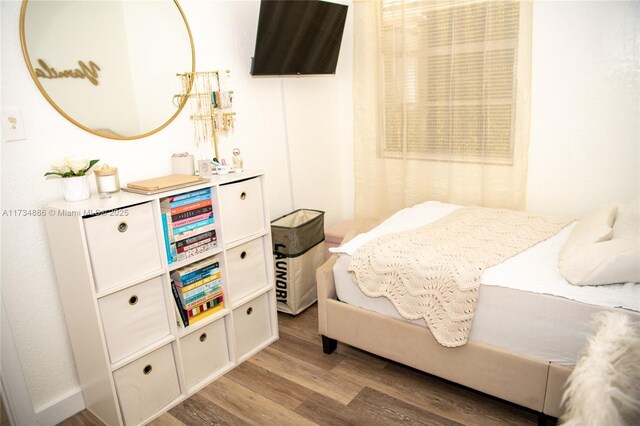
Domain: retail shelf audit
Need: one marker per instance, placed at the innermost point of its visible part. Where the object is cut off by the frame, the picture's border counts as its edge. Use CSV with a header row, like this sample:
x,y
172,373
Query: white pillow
x,y
593,228
606,262
627,224
591,257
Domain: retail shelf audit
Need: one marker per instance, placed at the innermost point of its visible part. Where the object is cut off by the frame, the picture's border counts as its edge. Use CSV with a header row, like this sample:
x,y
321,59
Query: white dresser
x,y
134,358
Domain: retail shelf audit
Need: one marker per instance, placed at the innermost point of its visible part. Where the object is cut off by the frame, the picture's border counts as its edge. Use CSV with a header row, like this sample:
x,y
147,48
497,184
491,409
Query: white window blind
x,y
450,79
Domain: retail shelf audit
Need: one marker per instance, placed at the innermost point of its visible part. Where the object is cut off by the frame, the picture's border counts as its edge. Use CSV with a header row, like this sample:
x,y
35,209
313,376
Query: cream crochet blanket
x,y
434,272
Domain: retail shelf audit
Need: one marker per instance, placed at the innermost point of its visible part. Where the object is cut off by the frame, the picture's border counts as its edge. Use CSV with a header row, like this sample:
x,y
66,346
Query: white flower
x,y
76,163
71,166
60,167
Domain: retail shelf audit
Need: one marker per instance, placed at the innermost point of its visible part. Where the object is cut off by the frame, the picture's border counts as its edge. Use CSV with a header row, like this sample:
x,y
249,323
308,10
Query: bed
x,y
529,328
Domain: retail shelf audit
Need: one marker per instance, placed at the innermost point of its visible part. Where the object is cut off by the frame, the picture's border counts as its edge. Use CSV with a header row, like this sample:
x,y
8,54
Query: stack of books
x,y
197,290
188,224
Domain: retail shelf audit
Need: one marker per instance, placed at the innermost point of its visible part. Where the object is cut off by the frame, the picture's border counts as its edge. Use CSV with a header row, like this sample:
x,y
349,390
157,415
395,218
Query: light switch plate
x,y
12,125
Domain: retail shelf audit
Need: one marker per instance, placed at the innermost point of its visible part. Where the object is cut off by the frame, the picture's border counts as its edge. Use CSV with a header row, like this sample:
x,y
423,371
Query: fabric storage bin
x,y
252,325
247,269
298,250
122,245
204,352
134,318
147,385
241,210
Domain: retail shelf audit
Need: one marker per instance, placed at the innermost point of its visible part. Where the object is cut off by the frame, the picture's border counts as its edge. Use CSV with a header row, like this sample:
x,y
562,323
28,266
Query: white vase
x,y
76,188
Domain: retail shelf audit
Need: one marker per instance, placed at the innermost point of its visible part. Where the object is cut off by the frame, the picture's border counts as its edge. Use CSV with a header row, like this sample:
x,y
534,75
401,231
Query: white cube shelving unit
x,y
134,358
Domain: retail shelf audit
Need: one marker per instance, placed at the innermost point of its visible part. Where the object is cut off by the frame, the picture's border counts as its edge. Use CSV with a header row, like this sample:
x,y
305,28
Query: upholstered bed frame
x,y
528,382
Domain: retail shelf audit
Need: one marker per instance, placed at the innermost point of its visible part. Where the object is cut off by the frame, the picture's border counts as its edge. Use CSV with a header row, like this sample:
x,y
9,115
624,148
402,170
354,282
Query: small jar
x,y
107,179
237,160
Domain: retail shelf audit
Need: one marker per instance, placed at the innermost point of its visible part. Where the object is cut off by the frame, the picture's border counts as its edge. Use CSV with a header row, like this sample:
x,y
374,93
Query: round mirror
x,y
109,66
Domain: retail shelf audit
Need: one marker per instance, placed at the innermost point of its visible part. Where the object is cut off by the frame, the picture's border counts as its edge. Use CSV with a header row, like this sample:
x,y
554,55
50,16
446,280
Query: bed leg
x,y
329,345
542,419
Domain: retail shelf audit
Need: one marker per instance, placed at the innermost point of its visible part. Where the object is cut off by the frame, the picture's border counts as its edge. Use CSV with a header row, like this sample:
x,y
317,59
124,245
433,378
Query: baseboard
x,y
60,409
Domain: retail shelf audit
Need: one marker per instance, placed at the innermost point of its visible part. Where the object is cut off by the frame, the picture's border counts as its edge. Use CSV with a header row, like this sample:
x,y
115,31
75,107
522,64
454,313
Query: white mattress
x,y
524,306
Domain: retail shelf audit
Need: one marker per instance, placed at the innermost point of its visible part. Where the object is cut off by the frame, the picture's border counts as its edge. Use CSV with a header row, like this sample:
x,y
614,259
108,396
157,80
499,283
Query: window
x,y
450,79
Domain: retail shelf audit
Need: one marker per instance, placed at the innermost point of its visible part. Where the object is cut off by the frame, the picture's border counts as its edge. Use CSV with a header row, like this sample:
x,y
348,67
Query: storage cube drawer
x,y
252,324
246,269
147,385
204,352
242,210
122,245
134,318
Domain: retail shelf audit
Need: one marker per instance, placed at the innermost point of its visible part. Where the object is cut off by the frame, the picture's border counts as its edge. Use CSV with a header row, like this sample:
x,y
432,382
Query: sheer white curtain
x,y
441,95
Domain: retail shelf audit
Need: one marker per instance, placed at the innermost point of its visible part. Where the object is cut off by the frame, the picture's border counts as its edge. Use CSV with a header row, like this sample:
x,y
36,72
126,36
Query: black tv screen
x,y
298,37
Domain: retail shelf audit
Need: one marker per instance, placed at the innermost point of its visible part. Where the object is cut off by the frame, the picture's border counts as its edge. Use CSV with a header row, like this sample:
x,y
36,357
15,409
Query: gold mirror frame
x,y
27,59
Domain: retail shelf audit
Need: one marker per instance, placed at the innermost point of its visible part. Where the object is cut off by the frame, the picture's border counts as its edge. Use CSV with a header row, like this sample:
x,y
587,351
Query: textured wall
x,y
585,123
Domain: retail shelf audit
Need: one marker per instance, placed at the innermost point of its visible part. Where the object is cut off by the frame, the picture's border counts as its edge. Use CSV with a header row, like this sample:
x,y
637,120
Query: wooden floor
x,y
292,382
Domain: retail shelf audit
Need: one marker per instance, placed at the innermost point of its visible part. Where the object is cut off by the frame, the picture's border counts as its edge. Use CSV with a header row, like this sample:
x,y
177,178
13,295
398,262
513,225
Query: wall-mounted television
x,y
298,37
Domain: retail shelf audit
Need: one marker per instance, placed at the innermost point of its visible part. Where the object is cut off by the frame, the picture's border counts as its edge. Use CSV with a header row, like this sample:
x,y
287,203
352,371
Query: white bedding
x,y
546,327
534,270
525,305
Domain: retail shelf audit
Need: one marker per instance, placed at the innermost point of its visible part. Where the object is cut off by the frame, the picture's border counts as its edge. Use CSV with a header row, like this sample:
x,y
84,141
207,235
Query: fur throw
x,y
604,387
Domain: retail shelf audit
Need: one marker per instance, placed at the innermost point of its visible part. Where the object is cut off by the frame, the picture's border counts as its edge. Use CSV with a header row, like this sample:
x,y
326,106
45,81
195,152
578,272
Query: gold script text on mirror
x,y
130,51
84,70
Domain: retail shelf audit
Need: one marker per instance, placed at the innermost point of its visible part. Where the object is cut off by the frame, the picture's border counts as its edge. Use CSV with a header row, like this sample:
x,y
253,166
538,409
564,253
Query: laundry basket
x,y
298,250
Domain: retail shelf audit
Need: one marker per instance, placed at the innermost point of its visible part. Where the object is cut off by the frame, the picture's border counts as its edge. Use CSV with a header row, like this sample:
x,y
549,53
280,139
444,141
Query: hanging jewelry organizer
x,y
211,102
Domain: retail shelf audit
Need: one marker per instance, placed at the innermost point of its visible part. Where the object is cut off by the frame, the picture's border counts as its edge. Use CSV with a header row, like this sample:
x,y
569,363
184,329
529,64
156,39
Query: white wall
x,y
318,117
585,138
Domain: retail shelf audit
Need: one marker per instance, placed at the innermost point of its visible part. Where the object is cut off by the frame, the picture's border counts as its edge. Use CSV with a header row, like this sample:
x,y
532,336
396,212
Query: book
x,y
169,246
192,313
178,228
167,219
196,251
184,318
200,292
205,274
197,244
208,312
166,203
192,226
200,276
188,207
191,194
191,213
195,293
189,220
195,272
199,240
192,233
205,280
190,270
196,238
203,299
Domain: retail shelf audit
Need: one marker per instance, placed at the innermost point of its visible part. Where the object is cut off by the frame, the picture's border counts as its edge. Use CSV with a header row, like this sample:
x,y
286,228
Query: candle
x,y
107,179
